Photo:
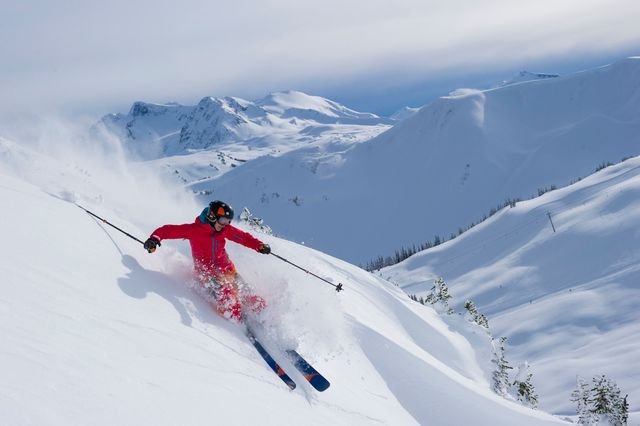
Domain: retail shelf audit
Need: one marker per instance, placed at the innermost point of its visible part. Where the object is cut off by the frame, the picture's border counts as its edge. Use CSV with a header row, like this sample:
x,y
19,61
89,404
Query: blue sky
x,y
86,57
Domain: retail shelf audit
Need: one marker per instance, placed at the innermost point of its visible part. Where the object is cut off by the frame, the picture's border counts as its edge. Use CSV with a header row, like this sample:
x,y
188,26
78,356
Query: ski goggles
x,y
211,217
224,221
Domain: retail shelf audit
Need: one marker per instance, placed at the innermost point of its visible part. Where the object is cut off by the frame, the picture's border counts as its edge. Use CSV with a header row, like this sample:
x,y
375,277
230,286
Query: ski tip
x,y
320,383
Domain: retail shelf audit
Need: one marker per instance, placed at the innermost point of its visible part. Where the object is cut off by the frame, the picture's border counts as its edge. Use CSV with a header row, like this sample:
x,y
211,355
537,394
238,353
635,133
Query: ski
x,y
314,378
270,361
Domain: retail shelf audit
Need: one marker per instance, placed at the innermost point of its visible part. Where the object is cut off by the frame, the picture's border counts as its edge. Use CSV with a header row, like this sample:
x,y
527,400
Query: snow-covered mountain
x,y
273,124
558,275
97,331
444,168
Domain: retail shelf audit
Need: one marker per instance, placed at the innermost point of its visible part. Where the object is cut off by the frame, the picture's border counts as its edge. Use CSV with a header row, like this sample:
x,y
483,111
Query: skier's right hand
x,y
151,244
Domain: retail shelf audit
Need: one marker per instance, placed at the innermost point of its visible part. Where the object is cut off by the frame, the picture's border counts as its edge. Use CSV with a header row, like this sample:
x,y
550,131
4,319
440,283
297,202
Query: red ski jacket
x,y
210,259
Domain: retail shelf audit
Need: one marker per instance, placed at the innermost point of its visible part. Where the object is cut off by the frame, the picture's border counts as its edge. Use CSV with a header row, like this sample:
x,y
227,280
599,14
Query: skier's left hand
x,y
264,249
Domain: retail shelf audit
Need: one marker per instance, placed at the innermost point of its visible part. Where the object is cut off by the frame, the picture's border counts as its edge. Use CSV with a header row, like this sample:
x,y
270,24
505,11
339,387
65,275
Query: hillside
x,y
566,294
97,331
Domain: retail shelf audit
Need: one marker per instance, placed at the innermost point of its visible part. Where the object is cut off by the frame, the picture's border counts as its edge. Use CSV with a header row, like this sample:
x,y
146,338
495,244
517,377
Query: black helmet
x,y
218,209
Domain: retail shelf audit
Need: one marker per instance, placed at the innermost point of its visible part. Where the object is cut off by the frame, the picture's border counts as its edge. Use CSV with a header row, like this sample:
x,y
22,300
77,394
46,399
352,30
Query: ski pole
x,y
338,287
110,224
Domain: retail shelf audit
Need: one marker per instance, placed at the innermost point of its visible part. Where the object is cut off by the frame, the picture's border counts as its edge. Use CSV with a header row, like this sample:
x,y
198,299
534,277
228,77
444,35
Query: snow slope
x,y
97,331
446,166
567,300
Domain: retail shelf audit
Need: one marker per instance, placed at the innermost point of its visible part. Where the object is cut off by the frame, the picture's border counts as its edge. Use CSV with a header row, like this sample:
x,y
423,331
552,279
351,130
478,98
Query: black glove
x,y
151,244
264,249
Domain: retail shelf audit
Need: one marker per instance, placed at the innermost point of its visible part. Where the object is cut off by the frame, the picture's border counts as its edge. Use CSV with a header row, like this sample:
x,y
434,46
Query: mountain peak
x,y
279,102
404,113
140,108
299,105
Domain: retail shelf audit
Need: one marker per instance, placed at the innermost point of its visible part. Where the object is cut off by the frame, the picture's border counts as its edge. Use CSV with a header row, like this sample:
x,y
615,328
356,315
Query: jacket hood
x,y
203,216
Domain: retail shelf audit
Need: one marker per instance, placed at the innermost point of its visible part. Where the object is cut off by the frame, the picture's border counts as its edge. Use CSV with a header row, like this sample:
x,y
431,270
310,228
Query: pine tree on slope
x,y
440,295
581,395
476,316
523,387
606,401
600,404
501,382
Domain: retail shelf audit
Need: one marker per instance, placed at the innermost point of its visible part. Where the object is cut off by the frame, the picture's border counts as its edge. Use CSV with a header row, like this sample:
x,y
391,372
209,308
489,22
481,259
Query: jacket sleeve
x,y
236,235
173,232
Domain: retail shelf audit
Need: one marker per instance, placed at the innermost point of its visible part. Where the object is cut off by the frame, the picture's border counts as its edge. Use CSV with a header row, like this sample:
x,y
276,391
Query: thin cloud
x,y
83,56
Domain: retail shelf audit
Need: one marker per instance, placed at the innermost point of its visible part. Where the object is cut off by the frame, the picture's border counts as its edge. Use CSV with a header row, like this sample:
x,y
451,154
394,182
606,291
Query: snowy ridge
x,y
404,113
97,331
523,76
299,105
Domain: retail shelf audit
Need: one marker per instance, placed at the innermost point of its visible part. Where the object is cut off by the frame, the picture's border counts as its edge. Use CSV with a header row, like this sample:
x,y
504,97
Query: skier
x,y
214,270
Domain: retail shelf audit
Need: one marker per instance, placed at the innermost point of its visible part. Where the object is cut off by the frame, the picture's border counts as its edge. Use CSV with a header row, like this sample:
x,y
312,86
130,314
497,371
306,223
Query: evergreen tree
x,y
606,402
500,376
476,316
255,223
523,386
581,395
601,396
601,403
623,410
440,295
